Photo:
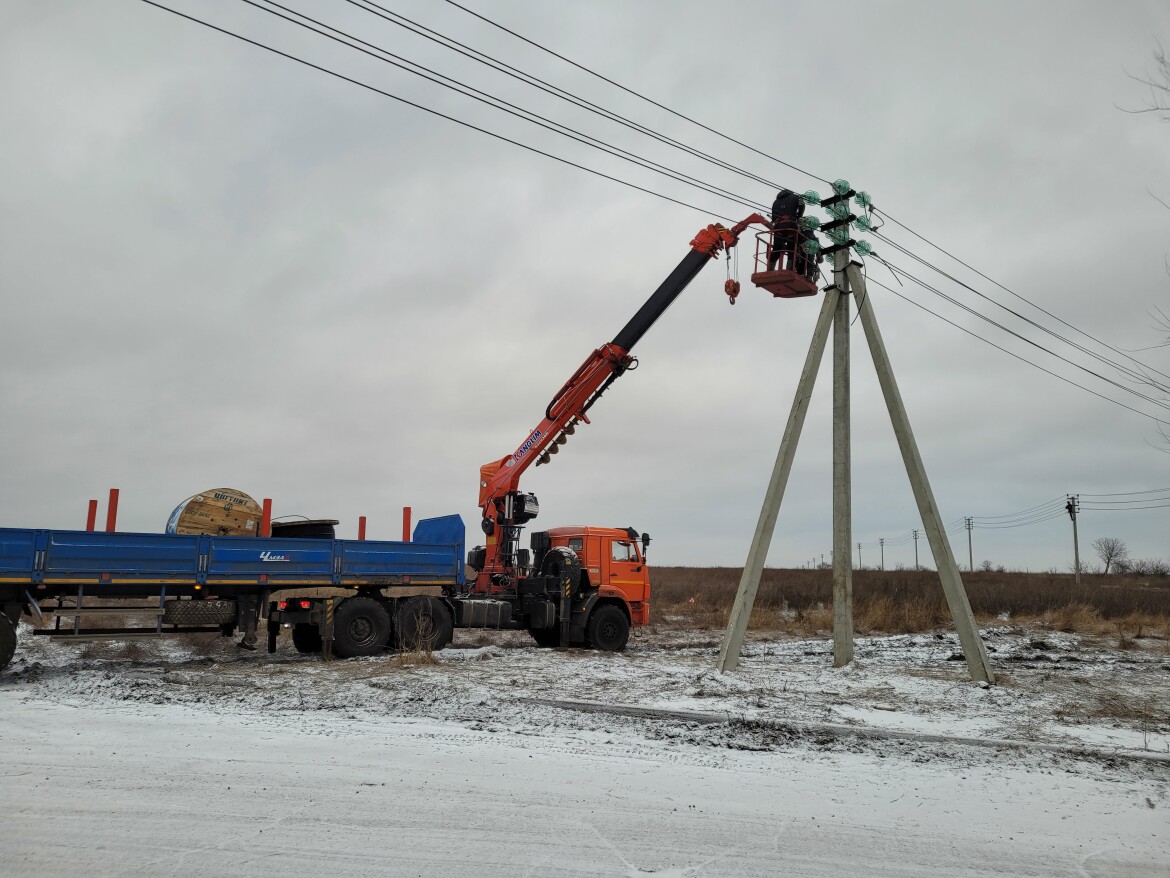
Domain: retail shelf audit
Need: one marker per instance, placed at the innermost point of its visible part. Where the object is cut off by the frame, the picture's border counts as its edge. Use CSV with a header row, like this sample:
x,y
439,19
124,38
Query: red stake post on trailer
x,y
406,524
112,512
266,519
91,517
361,527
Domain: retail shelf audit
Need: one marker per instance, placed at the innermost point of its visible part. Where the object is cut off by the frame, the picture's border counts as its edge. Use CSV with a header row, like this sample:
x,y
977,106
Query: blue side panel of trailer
x,y
84,556
255,556
17,551
71,553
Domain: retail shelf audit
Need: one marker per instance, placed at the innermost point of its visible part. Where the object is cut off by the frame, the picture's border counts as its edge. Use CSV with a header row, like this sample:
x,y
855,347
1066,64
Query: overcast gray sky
x,y
221,268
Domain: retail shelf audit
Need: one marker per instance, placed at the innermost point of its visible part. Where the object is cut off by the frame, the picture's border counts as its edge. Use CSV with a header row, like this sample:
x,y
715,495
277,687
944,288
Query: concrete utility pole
x,y
1073,506
842,477
969,524
749,582
834,312
859,564
882,543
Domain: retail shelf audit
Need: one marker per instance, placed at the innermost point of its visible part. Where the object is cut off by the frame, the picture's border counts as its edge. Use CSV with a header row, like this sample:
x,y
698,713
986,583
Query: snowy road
x,y
147,789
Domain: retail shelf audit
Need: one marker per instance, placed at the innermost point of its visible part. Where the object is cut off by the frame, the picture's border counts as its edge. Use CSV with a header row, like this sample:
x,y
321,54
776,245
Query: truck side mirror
x,y
645,545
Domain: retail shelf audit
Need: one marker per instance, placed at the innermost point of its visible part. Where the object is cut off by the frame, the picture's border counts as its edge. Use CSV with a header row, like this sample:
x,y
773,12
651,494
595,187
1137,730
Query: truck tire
x,y
306,637
423,623
361,626
7,640
609,629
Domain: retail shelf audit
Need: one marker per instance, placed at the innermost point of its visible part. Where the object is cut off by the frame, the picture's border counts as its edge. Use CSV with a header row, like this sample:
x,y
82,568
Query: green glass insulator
x,y
839,211
864,223
839,236
840,186
810,246
810,222
863,247
811,197
865,199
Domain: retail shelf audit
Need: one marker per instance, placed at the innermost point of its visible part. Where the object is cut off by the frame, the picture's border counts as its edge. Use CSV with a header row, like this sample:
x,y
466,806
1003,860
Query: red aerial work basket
x,y
782,268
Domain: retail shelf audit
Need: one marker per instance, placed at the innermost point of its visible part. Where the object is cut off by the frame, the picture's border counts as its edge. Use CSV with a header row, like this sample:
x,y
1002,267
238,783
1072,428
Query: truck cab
x,y
613,561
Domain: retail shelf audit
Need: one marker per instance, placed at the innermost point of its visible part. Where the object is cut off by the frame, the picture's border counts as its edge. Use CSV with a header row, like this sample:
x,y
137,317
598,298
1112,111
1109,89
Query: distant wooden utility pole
x,y
848,279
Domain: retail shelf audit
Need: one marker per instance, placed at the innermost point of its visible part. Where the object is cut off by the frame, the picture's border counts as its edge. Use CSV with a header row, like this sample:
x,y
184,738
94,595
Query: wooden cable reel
x,y
219,512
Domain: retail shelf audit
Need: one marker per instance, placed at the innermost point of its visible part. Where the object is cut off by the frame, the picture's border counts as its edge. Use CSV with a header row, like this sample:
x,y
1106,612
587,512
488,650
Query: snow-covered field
x,y
185,757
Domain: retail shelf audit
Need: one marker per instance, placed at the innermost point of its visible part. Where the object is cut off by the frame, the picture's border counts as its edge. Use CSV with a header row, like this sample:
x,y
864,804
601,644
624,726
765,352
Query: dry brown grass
x,y
1121,706
903,601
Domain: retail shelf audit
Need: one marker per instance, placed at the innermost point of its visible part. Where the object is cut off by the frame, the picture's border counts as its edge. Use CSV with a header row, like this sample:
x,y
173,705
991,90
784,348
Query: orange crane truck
x,y
575,586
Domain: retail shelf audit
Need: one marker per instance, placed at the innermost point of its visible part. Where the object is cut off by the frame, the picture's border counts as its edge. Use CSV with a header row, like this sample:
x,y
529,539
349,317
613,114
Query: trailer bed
x,y
47,563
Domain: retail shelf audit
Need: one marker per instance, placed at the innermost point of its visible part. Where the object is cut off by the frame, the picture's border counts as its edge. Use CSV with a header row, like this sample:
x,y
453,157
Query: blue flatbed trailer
x,y
214,583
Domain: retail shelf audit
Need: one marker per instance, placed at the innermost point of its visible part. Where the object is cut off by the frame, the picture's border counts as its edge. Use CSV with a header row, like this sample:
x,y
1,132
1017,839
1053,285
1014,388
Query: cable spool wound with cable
x,y
219,512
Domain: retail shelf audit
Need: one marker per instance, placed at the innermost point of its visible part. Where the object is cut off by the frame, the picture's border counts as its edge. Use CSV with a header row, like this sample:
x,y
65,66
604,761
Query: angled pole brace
x,y
948,571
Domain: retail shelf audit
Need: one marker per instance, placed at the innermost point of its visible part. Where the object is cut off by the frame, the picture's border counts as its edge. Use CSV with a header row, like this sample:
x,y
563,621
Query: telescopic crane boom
x,y
505,508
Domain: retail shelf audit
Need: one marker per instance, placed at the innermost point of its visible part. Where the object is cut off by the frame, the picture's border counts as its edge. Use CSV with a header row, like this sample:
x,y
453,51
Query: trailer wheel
x,y
609,629
423,623
361,626
7,640
306,638
548,638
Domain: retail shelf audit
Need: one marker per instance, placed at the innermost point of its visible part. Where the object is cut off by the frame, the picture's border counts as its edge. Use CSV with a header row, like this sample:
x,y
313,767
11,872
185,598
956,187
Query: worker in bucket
x,y
787,210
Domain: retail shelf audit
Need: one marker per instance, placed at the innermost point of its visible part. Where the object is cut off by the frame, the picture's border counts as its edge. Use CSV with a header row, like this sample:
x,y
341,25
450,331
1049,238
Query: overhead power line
x,y
432,111
1013,293
491,100
515,110
635,93
1123,509
1145,377
556,91
1023,512
1129,493
1141,377
899,271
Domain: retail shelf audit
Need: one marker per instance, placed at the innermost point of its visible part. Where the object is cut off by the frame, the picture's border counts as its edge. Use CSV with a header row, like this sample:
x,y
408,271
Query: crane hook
x,y
731,287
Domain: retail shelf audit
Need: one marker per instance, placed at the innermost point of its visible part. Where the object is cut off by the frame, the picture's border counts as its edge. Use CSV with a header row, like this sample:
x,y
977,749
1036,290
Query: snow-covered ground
x,y
184,757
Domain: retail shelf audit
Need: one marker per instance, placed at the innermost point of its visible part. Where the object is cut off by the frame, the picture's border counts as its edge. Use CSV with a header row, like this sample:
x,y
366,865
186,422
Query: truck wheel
x,y
609,629
423,623
306,638
549,638
444,624
7,640
361,626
